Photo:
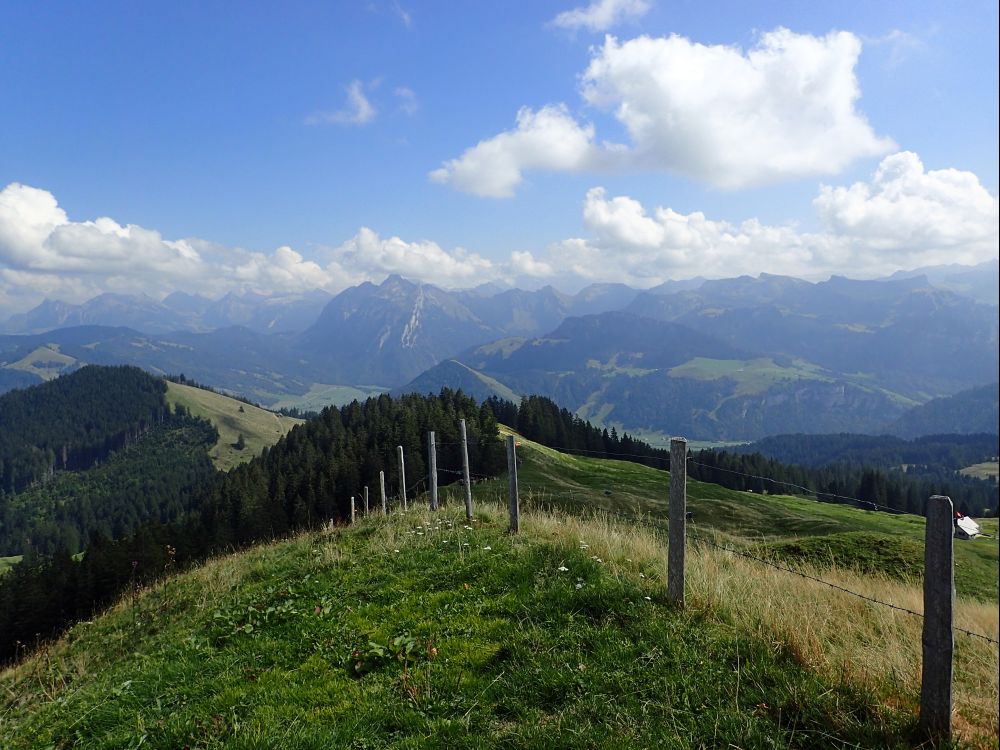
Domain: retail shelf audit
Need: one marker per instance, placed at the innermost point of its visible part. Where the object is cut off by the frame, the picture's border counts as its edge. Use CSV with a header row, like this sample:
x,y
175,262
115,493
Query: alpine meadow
x,y
567,374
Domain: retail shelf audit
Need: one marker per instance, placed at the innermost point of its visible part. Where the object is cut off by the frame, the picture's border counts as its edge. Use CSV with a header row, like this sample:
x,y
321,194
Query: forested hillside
x,y
971,411
73,421
155,479
306,479
950,452
870,483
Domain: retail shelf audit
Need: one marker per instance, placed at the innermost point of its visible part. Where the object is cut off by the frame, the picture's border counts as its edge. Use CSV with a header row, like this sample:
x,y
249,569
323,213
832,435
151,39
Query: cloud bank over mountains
x,y
905,216
784,110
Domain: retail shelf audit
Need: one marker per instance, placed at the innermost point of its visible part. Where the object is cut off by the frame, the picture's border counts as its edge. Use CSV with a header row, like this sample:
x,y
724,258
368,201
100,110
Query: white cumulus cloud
x,y
373,257
601,15
43,253
783,110
906,210
904,217
548,138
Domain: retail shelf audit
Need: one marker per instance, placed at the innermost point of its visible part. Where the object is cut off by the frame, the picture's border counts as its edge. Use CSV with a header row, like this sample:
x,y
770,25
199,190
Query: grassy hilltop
x,y
420,630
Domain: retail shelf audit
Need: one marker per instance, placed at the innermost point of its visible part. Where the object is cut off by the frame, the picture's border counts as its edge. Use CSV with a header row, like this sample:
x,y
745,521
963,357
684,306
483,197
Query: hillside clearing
x,y
321,395
47,362
260,428
986,470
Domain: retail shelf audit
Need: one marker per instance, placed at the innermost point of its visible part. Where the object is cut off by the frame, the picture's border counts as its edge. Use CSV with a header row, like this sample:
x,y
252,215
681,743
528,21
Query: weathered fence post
x,y
352,510
465,471
365,501
939,604
402,475
381,489
432,469
677,527
513,500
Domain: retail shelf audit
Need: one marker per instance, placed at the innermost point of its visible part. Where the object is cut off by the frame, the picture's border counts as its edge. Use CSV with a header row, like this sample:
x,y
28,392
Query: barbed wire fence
x,y
939,584
938,621
821,496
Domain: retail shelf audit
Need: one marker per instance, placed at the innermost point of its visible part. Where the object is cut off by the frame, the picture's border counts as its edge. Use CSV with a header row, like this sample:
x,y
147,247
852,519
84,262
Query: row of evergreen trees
x,y
541,420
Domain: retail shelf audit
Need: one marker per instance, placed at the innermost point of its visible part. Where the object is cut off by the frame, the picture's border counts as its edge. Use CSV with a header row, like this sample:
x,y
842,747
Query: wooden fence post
x,y
432,469
677,526
365,501
381,488
513,500
465,471
939,604
402,475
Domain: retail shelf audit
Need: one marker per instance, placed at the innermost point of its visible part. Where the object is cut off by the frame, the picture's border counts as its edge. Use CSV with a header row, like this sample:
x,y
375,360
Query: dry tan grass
x,y
837,634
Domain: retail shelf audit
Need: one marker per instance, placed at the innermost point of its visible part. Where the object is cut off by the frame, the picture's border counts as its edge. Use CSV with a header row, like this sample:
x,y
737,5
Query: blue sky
x,y
294,145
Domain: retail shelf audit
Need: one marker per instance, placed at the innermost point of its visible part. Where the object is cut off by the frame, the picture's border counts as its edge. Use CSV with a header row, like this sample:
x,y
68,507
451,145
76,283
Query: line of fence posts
x,y
938,640
432,476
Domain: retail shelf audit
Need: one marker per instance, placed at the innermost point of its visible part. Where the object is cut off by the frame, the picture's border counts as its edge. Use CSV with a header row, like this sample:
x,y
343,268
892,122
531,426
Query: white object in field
x,y
966,528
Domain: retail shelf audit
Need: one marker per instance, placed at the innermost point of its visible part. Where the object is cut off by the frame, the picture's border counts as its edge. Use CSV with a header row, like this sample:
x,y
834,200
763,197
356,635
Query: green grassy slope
x,y
420,630
418,633
260,428
548,476
47,362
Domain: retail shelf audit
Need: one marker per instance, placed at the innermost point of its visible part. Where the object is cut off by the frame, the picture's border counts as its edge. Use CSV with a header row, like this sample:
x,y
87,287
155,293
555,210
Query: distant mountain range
x,y
716,360
177,312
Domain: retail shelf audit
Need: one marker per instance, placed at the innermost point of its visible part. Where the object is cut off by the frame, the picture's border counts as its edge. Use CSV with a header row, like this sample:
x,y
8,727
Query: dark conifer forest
x,y
305,480
73,421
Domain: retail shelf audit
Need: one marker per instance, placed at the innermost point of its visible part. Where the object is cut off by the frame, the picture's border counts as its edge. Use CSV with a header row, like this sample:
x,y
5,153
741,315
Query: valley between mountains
x,y
722,360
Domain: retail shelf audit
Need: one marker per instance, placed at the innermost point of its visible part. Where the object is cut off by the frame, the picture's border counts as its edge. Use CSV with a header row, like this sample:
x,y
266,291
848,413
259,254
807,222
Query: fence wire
x,y
819,494
661,525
